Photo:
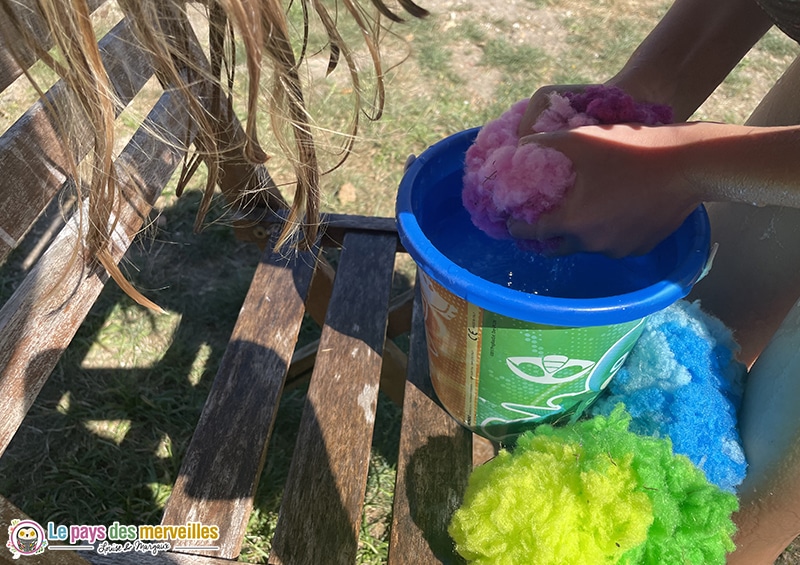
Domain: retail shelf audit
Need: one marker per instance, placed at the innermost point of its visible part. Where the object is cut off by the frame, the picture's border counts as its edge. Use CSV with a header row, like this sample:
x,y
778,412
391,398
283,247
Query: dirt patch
x,y
516,23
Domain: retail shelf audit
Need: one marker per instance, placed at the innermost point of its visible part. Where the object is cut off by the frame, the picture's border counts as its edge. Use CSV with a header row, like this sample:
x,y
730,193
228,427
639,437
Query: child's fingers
x,y
540,101
555,139
541,230
547,227
521,230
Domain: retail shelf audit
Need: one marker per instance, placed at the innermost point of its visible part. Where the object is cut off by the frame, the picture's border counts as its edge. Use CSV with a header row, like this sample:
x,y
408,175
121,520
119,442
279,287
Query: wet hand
x,y
540,101
630,190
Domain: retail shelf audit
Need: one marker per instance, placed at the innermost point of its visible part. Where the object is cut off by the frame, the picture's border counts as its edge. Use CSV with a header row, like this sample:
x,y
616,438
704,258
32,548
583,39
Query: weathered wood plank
x,y
432,469
335,226
32,158
393,369
322,504
393,372
10,69
40,319
303,361
168,558
320,294
400,314
482,450
220,471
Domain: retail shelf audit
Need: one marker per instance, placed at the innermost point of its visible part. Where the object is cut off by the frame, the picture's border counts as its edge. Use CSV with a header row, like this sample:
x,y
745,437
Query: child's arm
x,y
634,185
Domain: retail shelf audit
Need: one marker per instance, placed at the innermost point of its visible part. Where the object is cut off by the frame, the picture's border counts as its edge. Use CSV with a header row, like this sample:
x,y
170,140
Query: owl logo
x,y
25,537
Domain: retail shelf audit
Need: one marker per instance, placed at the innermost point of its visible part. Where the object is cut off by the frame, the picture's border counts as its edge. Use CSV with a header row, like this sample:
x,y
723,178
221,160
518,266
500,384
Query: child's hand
x,y
629,194
540,101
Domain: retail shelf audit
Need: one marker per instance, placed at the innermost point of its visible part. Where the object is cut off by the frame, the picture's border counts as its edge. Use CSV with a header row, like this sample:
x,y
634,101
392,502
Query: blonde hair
x,y
162,28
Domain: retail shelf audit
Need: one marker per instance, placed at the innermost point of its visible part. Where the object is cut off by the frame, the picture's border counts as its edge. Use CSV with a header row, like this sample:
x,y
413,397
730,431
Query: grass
x,y
106,436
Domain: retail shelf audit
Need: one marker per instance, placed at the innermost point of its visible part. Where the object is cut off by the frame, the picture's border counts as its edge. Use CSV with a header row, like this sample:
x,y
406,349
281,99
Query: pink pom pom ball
x,y
504,180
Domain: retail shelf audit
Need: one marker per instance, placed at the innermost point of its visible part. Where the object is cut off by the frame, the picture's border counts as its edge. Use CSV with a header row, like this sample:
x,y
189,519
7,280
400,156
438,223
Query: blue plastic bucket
x,y
505,324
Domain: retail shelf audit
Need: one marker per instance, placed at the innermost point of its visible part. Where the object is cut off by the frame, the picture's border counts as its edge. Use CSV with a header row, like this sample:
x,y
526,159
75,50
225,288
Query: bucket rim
x,y
547,310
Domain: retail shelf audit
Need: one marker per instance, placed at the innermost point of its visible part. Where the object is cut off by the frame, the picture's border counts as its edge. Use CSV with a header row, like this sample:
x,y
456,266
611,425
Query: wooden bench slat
x,y
393,369
9,67
40,319
399,322
322,287
335,226
30,151
138,558
322,504
221,468
433,466
400,312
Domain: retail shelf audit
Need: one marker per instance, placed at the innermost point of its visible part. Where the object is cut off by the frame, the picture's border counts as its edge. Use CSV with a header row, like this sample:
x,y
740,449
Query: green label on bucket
x,y
532,373
499,376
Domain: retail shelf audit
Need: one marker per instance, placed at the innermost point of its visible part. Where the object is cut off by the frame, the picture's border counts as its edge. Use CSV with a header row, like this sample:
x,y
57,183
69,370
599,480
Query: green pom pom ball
x,y
592,493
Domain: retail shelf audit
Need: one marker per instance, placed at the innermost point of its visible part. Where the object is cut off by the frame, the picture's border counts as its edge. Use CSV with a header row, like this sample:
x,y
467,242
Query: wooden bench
x,y
324,496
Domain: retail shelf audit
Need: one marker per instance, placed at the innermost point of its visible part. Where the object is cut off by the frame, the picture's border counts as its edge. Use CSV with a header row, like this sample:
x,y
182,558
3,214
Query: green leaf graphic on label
x,y
553,369
524,388
613,359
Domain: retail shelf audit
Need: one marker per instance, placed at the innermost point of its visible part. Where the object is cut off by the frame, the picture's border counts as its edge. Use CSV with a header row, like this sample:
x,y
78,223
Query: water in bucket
x,y
502,262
